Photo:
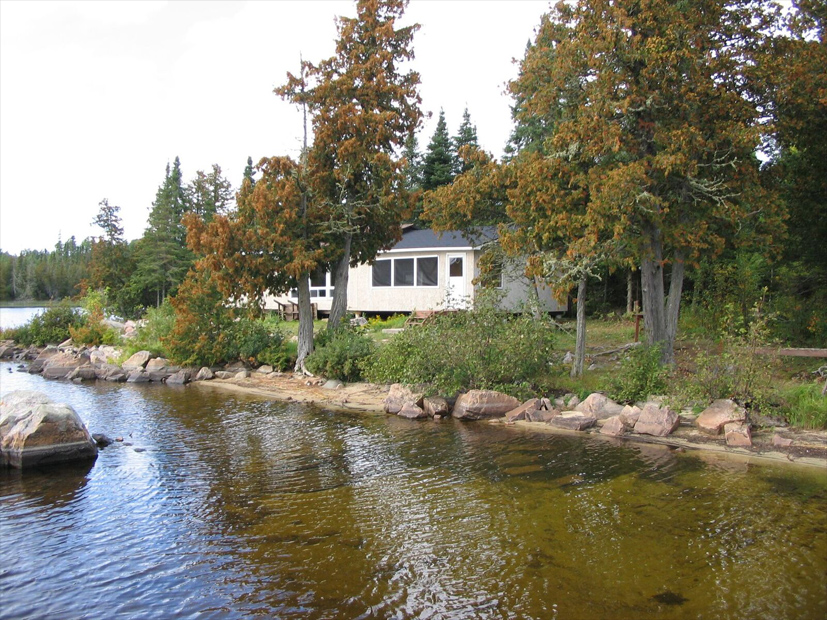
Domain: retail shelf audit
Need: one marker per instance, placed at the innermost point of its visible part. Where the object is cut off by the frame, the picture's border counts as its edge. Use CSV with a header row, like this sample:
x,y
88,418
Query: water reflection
x,y
236,507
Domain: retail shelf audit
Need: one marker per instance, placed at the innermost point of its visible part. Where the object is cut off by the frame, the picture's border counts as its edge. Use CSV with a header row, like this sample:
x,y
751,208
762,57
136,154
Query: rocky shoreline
x,y
721,428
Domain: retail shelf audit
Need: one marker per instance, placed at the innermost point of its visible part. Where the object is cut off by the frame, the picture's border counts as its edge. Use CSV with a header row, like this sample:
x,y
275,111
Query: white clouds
x,y
95,98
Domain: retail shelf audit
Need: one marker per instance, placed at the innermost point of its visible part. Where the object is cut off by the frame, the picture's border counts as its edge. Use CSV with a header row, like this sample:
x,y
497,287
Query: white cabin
x,y
423,271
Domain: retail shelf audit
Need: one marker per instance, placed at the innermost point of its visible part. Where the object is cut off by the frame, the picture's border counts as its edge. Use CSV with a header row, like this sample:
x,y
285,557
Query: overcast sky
x,y
97,97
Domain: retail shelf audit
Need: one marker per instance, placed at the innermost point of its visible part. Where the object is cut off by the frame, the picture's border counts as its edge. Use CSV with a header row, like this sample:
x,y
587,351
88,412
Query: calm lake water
x,y
15,317
226,506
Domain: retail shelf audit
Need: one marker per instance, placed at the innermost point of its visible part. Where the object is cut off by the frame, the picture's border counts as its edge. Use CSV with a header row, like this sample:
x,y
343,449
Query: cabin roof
x,y
414,239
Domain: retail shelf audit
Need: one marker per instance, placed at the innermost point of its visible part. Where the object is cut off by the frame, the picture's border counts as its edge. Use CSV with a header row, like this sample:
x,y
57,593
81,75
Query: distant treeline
x,y
46,274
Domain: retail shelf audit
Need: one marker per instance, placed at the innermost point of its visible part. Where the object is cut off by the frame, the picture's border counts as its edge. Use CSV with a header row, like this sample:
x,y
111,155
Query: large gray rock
x,y
139,360
412,412
738,435
481,404
600,406
657,421
83,373
60,365
179,378
103,355
398,396
573,420
160,364
613,427
436,405
36,431
44,356
720,413
205,374
519,413
630,415
138,376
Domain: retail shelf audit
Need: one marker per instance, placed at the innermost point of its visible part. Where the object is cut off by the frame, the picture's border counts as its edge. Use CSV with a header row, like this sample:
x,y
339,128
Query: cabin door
x,y
455,288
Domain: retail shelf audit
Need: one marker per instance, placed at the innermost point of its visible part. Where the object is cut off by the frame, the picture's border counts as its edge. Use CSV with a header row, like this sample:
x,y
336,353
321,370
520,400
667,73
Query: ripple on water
x,y
239,507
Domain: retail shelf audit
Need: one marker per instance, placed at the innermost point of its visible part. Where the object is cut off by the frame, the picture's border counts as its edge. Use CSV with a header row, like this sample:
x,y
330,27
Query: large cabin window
x,y
398,272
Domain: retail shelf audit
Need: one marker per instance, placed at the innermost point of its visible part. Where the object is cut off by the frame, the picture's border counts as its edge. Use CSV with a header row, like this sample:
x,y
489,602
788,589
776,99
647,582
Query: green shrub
x,y
806,406
641,374
49,327
155,325
282,357
484,348
341,354
93,332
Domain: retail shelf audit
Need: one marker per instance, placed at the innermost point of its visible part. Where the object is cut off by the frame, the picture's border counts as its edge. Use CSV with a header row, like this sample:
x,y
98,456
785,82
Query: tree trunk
x,y
305,323
673,307
580,342
338,309
651,280
630,291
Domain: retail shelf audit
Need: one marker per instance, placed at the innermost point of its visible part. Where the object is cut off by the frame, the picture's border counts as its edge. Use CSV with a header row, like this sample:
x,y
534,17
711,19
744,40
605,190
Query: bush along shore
x,y
721,427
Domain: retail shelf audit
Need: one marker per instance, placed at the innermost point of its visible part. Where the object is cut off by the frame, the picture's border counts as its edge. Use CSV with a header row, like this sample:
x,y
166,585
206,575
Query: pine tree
x,y
438,164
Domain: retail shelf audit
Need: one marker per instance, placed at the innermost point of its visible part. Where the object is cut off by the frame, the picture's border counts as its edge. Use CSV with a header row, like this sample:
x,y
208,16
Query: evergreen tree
x,y
439,162
363,108
250,172
413,164
209,193
466,136
162,258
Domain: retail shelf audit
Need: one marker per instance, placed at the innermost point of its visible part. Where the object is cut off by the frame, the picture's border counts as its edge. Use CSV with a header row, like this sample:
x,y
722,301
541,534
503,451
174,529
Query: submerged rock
x,y
573,420
36,431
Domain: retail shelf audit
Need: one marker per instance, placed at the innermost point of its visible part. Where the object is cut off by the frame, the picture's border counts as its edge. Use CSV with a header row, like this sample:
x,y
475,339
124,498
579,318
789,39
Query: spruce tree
x,y
466,136
250,172
438,163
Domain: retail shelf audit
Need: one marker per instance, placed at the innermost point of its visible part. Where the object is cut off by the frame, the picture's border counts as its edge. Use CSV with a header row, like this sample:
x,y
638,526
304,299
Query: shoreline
x,y
369,399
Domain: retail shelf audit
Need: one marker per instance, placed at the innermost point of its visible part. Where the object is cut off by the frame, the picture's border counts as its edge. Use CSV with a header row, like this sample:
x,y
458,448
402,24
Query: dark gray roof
x,y
413,239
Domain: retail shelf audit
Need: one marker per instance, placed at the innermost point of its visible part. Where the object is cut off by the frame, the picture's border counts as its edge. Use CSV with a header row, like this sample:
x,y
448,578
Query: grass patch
x,y
805,405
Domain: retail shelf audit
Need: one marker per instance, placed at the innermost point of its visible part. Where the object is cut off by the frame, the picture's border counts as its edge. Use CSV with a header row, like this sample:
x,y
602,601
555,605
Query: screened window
x,y
382,273
420,271
427,270
403,272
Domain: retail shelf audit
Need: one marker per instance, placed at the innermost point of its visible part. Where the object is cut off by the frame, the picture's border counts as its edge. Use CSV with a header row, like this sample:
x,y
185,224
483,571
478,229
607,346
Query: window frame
x,y
415,284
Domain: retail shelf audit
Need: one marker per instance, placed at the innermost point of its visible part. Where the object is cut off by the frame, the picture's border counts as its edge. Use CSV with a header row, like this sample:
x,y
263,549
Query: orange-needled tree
x,y
363,106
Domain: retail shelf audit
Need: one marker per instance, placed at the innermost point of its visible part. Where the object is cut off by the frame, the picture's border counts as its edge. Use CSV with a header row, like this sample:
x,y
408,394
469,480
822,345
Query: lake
x,y
219,505
15,317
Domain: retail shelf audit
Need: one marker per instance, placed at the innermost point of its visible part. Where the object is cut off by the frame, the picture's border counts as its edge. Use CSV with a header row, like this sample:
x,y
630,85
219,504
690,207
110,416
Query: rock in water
x,y
36,431
481,404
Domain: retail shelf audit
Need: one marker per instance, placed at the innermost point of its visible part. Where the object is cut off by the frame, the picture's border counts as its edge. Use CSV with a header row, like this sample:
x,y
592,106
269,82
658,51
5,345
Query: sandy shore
x,y
809,447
